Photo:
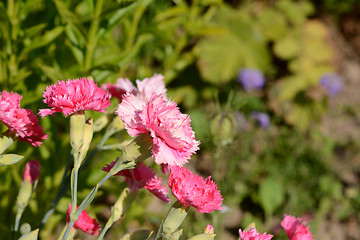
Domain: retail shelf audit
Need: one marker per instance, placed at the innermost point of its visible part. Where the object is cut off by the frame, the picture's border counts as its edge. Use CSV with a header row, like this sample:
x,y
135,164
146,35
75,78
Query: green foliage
x,y
271,194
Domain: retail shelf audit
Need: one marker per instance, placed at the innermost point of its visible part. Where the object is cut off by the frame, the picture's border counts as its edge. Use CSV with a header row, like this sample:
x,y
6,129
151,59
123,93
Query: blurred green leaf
x,y
271,195
47,38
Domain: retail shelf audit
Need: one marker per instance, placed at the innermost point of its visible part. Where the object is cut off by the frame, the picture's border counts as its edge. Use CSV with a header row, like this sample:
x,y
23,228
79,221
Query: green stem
x,y
92,35
103,232
17,221
73,184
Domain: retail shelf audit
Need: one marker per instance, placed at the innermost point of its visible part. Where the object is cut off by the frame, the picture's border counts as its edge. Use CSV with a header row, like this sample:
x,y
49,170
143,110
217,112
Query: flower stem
x,y
103,232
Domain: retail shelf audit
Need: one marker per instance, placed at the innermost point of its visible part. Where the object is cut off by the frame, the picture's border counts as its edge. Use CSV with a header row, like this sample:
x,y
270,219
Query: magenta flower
x,y
85,223
23,123
32,170
71,96
192,190
142,176
252,234
295,230
173,139
144,90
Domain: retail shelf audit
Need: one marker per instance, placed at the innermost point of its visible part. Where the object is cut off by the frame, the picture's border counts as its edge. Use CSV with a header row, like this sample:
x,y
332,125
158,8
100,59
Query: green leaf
x,y
9,159
47,38
271,194
288,47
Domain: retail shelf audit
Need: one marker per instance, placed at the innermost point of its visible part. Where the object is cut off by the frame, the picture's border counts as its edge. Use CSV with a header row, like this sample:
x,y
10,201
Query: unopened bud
x,y
88,135
77,128
209,229
32,170
223,127
174,218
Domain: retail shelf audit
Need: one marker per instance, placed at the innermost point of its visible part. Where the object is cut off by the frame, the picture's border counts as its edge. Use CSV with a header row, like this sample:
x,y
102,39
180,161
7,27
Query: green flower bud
x,y
77,128
222,128
88,135
174,218
33,235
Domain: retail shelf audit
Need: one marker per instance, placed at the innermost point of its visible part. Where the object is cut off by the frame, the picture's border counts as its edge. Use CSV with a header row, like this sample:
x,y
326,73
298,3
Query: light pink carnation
x,y
252,234
76,95
173,139
85,223
142,176
21,122
32,170
144,90
192,190
295,230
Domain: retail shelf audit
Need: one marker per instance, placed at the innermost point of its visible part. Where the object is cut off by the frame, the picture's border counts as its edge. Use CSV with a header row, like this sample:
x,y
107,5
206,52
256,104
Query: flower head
x,y
192,190
261,118
76,95
142,176
32,170
144,90
21,122
251,79
333,83
85,223
173,139
295,230
252,234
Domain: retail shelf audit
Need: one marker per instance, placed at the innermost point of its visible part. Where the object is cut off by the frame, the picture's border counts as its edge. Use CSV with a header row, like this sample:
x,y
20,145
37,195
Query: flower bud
x,y
32,170
209,229
88,135
223,127
77,128
174,218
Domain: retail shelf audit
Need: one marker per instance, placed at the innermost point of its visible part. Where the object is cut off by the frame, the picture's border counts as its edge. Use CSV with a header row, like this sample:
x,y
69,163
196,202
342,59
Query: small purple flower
x,y
251,79
261,118
332,82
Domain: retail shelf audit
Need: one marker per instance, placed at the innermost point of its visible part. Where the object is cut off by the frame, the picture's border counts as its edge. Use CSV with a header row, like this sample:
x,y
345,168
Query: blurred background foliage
x,y
292,165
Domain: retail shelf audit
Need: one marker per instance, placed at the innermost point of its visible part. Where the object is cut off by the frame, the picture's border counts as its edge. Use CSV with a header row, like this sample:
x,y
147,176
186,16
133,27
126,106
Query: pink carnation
x,y
21,122
192,190
144,90
173,139
76,95
295,230
142,176
252,234
32,170
85,223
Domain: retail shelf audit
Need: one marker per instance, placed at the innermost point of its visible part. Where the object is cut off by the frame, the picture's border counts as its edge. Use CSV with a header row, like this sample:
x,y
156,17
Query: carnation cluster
x,y
22,123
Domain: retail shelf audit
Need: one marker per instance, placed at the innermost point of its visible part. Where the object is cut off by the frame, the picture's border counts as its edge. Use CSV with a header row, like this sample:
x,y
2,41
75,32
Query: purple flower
x,y
261,118
251,79
332,82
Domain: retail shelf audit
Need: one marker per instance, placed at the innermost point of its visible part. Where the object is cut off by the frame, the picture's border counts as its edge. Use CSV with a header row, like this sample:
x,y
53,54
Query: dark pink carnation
x,y
144,90
192,190
173,139
21,122
85,223
32,170
142,176
71,96
252,234
295,229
